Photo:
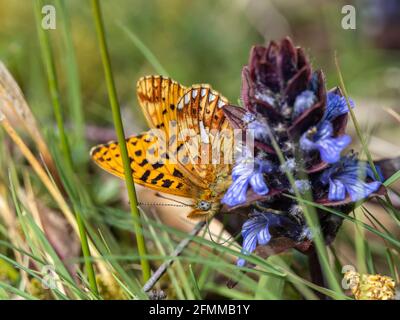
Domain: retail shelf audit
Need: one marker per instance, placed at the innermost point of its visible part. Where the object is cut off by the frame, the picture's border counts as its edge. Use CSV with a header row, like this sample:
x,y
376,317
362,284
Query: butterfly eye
x,y
204,205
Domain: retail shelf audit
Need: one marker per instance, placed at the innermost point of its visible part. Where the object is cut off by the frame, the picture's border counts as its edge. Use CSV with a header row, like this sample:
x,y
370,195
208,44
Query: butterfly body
x,y
207,201
186,152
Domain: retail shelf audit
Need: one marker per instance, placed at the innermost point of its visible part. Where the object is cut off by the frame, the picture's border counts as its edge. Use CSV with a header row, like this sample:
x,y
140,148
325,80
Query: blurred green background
x,y
197,42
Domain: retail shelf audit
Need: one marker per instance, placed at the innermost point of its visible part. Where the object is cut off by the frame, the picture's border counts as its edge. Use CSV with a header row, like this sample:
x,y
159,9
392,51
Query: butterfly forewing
x,y
147,168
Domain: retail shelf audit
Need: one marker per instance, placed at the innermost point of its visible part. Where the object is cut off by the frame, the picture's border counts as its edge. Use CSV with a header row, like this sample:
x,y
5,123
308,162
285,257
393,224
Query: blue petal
x,y
304,101
255,231
370,172
325,130
236,193
264,236
249,243
258,184
250,232
242,168
359,189
331,148
306,144
347,176
302,185
240,262
259,130
337,190
336,106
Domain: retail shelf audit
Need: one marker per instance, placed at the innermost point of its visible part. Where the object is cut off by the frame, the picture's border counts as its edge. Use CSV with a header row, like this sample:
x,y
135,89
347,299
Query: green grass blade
x,y
48,60
151,58
196,288
73,81
392,179
112,92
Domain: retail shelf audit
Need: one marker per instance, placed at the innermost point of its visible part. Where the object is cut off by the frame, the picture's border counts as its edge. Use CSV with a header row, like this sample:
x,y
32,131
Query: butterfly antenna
x,y
212,237
171,199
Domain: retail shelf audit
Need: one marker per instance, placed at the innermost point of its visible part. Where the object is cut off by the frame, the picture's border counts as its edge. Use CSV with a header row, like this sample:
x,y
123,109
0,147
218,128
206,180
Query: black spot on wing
x,y
145,176
167,183
177,173
157,165
159,176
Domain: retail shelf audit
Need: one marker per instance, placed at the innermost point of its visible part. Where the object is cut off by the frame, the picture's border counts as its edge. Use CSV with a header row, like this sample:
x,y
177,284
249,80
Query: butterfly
x,y
187,151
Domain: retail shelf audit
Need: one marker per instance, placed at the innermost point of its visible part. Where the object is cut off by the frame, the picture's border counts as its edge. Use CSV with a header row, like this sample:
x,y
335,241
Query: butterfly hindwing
x,y
148,168
200,120
158,97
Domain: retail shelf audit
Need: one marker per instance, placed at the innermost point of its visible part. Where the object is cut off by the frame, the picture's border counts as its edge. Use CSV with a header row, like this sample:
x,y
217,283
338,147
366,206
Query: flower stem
x,y
121,138
47,57
313,222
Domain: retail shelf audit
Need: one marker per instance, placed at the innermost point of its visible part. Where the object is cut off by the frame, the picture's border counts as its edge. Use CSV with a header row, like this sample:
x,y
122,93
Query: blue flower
x,y
255,231
336,106
304,101
320,138
288,166
348,176
258,127
302,185
248,172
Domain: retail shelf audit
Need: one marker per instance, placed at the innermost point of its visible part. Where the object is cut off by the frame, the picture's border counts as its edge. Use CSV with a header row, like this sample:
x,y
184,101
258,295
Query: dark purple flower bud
x,y
287,103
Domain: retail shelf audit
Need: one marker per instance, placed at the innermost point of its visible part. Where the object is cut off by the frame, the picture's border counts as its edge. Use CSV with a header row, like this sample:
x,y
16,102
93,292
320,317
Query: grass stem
x,y
360,135
47,57
121,137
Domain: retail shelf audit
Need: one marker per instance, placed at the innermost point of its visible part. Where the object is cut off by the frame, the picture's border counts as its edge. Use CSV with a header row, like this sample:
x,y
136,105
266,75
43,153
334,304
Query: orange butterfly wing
x,y
142,149
165,102
158,97
206,134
